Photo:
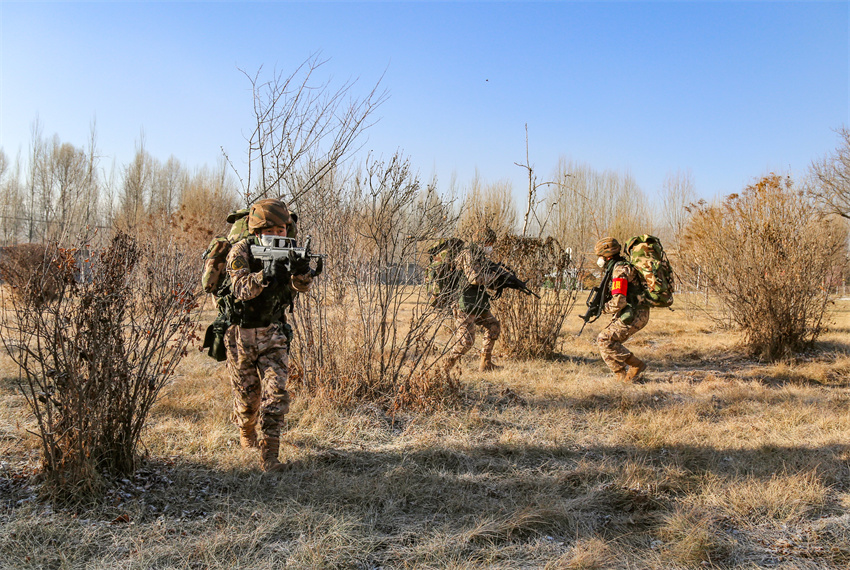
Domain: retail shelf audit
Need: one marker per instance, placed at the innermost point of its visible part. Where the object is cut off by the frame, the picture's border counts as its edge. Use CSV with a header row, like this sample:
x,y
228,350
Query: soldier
x,y
473,307
258,342
630,312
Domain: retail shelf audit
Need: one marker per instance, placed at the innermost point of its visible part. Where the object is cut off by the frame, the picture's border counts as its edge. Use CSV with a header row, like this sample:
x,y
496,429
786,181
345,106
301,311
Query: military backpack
x,y
647,255
443,278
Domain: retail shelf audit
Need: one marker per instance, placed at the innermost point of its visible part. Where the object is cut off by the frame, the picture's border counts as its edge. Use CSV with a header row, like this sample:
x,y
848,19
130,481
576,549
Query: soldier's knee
x,y
495,330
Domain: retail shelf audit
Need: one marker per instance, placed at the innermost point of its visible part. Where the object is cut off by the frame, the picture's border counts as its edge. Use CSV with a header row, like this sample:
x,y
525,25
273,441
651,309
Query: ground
x,y
714,460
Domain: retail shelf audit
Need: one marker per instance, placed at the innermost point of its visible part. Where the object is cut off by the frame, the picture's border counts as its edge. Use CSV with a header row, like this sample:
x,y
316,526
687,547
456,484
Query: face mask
x,y
601,262
274,241
488,249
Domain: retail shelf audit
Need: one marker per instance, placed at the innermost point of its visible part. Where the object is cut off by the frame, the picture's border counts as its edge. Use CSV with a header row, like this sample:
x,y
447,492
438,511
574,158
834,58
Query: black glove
x,y
275,272
299,265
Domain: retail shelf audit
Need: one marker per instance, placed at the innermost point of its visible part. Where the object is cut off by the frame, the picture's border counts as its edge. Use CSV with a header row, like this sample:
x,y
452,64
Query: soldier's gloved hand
x,y
275,272
299,265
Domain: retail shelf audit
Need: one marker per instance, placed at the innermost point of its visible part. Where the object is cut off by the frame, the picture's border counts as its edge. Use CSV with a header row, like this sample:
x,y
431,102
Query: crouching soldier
x,y
473,305
630,313
257,342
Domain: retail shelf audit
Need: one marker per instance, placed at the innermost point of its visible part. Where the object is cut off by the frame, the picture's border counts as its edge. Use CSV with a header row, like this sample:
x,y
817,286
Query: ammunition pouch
x,y
627,315
214,339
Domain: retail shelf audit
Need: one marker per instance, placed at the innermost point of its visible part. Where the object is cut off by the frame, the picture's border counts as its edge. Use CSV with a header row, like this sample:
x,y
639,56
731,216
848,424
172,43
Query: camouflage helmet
x,y
607,247
484,236
267,213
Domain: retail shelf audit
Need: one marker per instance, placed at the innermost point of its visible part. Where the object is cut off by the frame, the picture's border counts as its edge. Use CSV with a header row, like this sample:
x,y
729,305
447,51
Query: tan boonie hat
x,y
607,247
267,213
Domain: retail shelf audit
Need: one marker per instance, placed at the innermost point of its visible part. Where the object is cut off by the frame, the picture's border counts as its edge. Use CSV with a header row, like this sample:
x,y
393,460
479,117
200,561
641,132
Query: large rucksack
x,y
214,280
216,254
647,255
443,278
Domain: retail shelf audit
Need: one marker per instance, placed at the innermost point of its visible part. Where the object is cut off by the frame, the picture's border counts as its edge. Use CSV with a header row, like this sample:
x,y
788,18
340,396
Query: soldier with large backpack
x,y
472,300
253,297
637,282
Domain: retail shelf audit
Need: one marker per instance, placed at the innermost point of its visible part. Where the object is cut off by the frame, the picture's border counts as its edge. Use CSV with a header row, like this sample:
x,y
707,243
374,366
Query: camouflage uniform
x,y
473,308
257,346
626,308
258,354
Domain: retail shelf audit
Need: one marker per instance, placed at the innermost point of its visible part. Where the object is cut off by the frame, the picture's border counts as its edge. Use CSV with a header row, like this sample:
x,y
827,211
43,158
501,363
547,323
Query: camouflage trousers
x,y
258,362
464,338
612,337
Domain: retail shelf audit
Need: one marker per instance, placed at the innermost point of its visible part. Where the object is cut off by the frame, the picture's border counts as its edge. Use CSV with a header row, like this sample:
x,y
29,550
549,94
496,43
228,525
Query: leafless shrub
x,y
770,255
94,358
29,274
365,332
530,326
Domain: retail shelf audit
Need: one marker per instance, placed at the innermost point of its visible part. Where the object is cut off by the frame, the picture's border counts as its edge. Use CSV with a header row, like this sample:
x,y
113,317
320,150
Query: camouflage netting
x,y
530,326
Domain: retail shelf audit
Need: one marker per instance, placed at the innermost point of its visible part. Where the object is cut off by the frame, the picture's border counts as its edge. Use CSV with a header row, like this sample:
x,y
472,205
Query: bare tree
x,y
303,129
677,194
831,175
532,202
586,205
487,205
95,355
135,189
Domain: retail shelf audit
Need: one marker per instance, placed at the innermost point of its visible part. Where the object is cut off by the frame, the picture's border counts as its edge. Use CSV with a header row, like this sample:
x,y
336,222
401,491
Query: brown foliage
x,y
530,326
28,270
94,358
769,254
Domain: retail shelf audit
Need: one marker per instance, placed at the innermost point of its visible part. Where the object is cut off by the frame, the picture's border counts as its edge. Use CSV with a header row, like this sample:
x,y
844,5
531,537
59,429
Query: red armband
x,y
619,286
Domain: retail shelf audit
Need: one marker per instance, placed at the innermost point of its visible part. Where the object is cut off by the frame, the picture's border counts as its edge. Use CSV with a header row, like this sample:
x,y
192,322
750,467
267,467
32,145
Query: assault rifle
x,y
599,295
507,279
284,249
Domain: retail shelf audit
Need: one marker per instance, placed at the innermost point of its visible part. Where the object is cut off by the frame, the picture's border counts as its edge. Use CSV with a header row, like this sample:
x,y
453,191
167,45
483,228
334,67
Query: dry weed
x,y
715,461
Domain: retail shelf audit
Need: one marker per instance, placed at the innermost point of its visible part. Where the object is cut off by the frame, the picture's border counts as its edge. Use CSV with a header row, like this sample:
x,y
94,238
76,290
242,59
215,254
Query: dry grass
x,y
714,461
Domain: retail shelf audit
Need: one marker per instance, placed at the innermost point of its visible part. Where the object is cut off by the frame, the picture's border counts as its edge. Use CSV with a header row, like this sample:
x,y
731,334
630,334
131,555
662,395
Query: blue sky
x,y
729,90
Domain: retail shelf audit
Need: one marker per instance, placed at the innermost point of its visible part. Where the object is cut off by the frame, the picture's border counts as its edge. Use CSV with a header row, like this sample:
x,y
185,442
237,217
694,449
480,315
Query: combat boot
x,y
636,367
248,436
269,447
621,375
487,362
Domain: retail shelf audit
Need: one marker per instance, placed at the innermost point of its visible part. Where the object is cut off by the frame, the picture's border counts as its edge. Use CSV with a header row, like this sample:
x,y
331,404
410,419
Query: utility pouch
x,y
214,341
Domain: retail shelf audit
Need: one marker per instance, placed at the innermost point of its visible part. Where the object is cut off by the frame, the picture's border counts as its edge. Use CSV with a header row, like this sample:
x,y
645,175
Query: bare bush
x,y
31,277
530,326
365,332
769,254
94,358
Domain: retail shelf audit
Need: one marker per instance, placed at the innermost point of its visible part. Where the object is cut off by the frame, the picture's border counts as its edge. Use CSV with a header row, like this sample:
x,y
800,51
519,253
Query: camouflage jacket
x,y
624,270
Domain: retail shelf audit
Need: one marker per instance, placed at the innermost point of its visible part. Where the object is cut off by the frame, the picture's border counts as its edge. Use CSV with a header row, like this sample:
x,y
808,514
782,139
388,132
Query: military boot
x,y
487,362
621,375
248,436
270,447
636,367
